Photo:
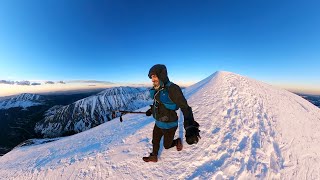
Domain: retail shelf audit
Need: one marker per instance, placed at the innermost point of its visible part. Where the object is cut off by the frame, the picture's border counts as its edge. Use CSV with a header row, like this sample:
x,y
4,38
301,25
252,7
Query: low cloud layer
x,y
35,84
49,82
23,83
28,83
91,82
6,82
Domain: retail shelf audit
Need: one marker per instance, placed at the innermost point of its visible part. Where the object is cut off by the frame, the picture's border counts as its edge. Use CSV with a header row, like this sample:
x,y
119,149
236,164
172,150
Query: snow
x,y
249,130
91,111
23,100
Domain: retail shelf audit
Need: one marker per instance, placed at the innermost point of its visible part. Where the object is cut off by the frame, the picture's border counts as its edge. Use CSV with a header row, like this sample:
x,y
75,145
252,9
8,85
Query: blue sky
x,y
119,40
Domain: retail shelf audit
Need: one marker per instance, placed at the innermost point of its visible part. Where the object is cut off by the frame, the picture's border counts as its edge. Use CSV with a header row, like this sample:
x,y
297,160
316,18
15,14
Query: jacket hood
x,y
161,71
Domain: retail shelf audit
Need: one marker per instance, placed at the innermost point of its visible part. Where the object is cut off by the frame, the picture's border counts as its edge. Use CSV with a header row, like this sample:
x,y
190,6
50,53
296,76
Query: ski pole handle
x,y
125,112
133,112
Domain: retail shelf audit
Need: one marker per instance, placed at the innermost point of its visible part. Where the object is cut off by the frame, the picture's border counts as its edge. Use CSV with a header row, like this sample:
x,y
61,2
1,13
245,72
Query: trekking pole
x,y
126,112
133,112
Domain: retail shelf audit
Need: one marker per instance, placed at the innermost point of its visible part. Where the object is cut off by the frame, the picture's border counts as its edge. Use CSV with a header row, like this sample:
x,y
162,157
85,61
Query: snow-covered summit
x,y
249,130
23,100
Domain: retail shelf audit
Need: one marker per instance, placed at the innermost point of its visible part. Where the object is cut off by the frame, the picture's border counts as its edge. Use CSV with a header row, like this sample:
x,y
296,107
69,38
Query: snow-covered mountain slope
x,y
23,100
250,130
91,111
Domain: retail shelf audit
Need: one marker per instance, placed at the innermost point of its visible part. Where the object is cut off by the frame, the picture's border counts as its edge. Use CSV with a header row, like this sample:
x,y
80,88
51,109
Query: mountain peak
x,y
23,100
28,97
249,130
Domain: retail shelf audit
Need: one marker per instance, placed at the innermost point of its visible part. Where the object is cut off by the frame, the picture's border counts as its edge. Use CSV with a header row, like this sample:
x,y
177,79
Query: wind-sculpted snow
x,y
249,130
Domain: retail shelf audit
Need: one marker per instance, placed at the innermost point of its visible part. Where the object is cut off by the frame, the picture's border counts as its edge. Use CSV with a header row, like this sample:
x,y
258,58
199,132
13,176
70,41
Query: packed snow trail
x,y
249,130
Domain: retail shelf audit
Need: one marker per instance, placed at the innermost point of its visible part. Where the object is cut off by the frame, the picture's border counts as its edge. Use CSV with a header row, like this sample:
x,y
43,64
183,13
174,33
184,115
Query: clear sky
x,y
274,41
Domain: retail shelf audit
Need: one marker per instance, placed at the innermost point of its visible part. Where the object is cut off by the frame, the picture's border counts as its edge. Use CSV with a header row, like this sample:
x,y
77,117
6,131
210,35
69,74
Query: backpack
x,y
164,97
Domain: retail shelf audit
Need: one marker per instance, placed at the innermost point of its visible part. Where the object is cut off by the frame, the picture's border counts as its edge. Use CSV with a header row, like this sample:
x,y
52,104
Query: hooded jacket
x,y
175,95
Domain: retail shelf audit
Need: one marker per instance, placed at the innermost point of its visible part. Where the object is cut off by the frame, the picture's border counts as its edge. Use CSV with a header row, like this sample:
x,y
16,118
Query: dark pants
x,y
168,135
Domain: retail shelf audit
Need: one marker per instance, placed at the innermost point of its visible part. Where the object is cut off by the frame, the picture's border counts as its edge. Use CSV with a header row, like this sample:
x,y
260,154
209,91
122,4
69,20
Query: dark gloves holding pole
x,y
192,133
149,112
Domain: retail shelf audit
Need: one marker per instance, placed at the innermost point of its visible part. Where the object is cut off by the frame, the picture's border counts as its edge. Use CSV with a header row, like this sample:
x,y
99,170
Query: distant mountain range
x,y
314,99
91,111
20,114
23,100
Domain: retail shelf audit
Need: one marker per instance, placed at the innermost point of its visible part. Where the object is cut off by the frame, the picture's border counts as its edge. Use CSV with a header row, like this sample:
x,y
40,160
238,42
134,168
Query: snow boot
x,y
179,144
151,158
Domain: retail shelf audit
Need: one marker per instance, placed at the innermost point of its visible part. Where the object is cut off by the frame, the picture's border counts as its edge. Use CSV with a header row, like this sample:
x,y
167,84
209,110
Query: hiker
x,y
167,98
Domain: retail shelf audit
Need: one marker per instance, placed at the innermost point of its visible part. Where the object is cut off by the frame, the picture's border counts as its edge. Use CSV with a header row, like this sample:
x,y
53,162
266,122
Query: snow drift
x,y
249,129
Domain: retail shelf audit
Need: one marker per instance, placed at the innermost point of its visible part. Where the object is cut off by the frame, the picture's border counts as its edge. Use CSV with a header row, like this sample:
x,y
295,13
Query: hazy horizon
x,y
14,89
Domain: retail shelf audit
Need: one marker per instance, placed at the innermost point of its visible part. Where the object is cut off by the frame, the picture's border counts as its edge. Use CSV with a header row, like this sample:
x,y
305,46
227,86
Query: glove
x,y
192,134
149,112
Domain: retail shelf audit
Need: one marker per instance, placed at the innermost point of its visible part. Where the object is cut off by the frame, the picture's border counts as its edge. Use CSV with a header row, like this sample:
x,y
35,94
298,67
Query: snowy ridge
x,y
91,111
23,100
250,130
